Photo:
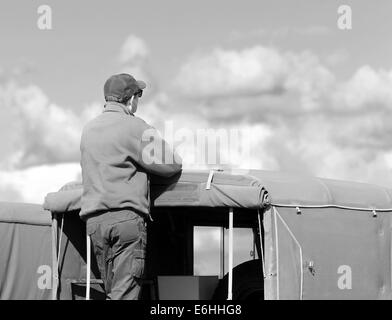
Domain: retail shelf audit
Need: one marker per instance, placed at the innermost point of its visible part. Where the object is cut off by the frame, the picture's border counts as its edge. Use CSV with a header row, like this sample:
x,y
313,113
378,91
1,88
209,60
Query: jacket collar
x,y
113,106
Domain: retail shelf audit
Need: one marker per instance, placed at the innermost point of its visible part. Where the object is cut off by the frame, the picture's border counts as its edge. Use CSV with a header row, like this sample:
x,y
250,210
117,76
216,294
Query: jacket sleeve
x,y
156,156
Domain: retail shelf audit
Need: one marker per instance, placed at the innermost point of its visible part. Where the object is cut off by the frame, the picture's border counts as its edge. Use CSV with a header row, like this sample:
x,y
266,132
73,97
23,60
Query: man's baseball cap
x,y
121,87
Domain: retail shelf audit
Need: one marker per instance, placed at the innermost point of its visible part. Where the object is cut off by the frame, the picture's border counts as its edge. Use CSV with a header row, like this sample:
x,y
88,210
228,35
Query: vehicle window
x,y
209,243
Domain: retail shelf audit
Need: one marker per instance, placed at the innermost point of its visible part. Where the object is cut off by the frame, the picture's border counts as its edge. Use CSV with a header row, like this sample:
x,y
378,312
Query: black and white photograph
x,y
198,156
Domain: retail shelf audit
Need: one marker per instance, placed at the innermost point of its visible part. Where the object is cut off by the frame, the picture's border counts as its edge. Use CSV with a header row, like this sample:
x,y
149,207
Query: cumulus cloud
x,y
313,122
36,131
230,73
134,50
291,112
367,88
256,72
294,113
38,137
134,59
39,143
32,184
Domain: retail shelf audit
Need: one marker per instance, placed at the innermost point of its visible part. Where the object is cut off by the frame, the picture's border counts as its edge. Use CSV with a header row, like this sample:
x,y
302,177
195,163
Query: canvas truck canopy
x,y
28,258
248,191
326,239
25,251
302,190
337,245
191,188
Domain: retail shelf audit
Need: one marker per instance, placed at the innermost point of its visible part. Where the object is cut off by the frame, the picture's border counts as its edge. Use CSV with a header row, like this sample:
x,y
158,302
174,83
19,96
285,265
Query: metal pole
x,y
261,244
88,266
222,252
54,256
230,288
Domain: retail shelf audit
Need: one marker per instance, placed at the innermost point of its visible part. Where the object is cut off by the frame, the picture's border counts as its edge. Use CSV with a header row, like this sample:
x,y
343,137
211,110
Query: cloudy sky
x,y
306,96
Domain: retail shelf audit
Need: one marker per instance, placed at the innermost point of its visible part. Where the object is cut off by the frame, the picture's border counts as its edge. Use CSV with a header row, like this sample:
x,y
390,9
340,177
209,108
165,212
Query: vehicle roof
x,y
229,189
190,188
296,189
300,189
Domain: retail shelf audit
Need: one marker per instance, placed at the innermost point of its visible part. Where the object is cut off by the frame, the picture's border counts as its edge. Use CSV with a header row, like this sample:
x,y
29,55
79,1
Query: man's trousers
x,y
119,239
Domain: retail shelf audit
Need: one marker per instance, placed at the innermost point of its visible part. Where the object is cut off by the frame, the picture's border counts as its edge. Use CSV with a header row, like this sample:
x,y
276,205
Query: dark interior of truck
x,y
171,271
171,255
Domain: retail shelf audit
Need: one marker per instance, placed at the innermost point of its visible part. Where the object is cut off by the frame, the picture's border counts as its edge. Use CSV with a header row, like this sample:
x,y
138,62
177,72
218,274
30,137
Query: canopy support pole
x,y
230,282
88,266
222,252
54,256
261,243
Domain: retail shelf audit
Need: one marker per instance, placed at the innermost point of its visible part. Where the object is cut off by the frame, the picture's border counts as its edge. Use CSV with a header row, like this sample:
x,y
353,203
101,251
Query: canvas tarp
x,y
25,252
327,253
326,239
317,253
294,189
190,189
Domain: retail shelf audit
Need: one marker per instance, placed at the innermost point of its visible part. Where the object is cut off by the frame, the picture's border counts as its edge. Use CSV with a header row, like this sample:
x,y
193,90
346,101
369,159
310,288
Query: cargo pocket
x,y
97,242
138,263
143,235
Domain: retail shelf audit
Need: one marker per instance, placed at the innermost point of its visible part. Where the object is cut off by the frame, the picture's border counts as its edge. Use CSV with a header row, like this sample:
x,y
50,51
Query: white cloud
x,y
293,114
33,184
366,88
35,131
133,50
39,143
255,72
134,59
228,72
309,78
314,124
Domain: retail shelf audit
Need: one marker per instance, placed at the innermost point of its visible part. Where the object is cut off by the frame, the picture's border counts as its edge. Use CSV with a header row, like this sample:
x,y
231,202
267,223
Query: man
x,y
115,171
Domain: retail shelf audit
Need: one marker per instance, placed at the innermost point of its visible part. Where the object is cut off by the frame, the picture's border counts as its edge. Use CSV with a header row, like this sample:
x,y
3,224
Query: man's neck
x,y
117,106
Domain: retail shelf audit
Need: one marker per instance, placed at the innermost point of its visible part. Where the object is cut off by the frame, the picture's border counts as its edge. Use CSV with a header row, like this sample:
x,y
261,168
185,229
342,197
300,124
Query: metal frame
x,y
88,266
261,243
55,277
276,214
230,282
222,252
56,249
